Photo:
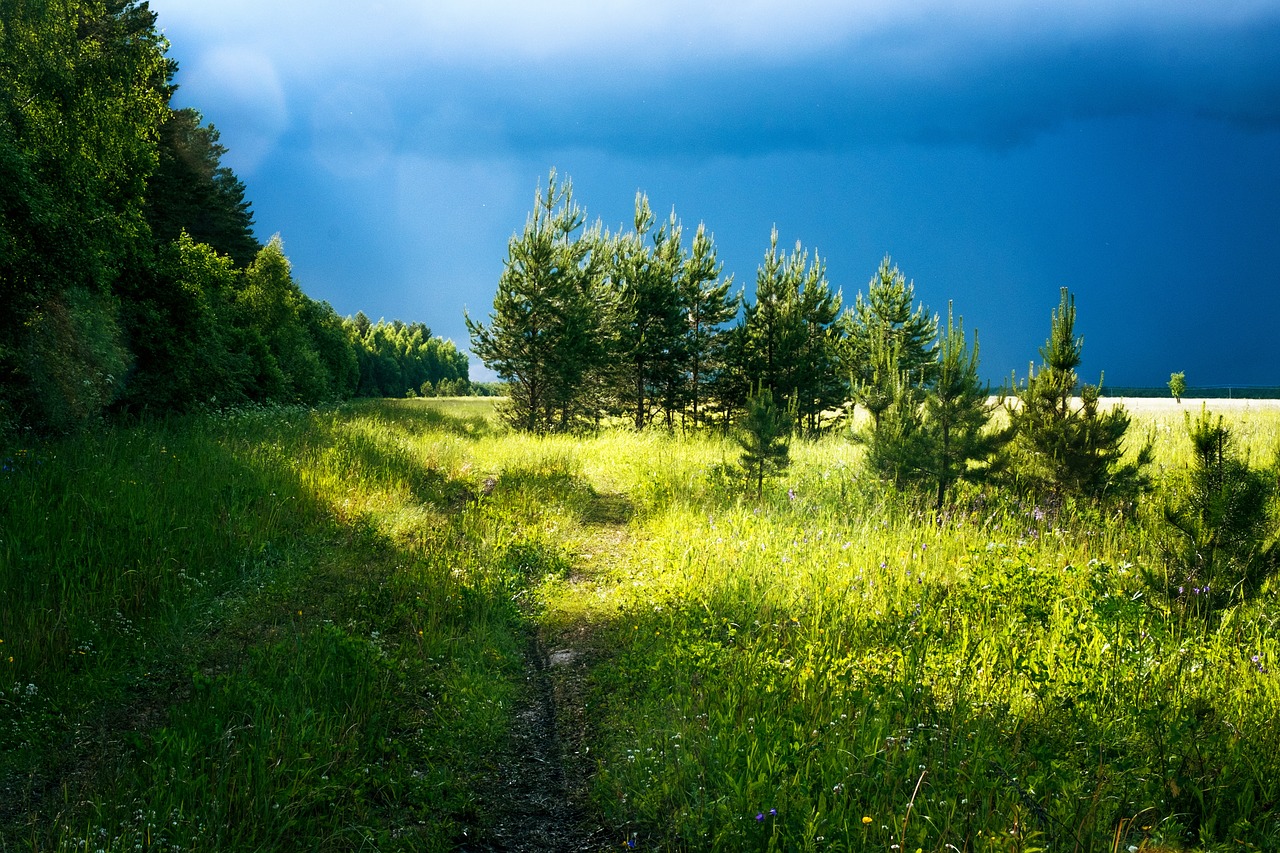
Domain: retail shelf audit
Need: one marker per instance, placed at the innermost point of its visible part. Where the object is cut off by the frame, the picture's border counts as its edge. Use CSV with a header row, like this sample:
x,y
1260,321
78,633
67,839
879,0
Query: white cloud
x,y
648,33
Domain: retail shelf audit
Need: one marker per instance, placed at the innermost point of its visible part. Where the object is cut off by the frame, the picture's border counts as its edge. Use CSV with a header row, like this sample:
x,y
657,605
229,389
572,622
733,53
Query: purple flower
x,y
773,812
759,816
791,494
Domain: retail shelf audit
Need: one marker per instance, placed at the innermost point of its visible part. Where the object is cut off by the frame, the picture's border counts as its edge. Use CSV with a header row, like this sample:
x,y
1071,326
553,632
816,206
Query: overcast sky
x,y
996,151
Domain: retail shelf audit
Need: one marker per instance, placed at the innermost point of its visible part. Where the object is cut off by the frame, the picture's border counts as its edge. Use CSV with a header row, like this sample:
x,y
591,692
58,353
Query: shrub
x,y
1219,543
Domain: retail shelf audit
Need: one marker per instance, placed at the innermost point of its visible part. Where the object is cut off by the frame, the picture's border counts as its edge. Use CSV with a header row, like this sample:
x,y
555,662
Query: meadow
x,y
287,629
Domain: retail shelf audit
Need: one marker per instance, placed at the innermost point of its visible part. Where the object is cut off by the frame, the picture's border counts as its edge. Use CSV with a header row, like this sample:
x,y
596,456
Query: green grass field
x,y
293,629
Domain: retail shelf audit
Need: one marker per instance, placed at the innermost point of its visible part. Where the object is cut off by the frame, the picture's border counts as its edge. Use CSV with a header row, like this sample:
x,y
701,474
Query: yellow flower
x,y
866,819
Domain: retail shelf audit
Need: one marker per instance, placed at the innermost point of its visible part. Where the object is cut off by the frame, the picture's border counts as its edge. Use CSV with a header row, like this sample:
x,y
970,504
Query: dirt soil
x,y
535,801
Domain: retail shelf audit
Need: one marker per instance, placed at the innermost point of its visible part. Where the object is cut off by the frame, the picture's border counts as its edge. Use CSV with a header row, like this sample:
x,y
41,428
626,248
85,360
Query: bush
x,y
1219,542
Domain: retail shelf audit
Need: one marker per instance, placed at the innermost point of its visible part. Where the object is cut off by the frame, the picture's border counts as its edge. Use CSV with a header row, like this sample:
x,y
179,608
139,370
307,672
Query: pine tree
x,y
192,191
957,414
1220,542
545,337
645,273
1064,448
708,305
930,435
885,321
787,340
764,439
897,446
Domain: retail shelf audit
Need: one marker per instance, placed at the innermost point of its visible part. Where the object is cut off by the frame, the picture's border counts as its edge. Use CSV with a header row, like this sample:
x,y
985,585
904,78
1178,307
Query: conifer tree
x,y
787,340
885,321
1063,447
645,274
1220,542
191,191
764,439
545,334
708,305
930,436
897,447
957,414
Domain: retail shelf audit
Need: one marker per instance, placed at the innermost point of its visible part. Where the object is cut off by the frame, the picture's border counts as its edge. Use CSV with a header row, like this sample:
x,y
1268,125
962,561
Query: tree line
x,y
130,276
589,325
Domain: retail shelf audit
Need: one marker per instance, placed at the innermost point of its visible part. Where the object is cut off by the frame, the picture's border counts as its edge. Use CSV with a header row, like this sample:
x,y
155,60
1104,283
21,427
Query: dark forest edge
x,y
130,274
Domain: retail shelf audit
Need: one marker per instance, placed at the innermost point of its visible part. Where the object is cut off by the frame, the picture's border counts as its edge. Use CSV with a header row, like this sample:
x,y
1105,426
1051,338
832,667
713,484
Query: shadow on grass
x,y
291,676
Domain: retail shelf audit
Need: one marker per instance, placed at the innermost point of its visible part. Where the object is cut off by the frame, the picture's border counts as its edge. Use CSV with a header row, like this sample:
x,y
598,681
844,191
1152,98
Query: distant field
x,y
1165,405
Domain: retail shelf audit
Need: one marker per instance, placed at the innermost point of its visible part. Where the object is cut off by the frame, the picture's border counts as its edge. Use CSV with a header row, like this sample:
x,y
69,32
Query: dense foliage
x,y
129,270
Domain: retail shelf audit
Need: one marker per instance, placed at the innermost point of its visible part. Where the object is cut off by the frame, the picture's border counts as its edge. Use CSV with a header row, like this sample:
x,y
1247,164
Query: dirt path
x,y
537,799
531,805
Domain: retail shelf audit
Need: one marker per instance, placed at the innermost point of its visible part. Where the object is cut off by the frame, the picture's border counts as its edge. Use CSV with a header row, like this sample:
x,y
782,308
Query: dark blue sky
x,y
997,151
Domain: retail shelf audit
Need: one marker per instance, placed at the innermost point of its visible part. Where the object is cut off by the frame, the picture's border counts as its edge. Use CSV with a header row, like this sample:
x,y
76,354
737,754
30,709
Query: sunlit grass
x,y
780,673
286,629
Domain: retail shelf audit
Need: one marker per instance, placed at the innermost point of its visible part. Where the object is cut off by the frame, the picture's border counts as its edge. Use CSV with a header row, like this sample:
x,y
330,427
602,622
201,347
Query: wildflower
x,y
773,812
791,494
866,819
759,816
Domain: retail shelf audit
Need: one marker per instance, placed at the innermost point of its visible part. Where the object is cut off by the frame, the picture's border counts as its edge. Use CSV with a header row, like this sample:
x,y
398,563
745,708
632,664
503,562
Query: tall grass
x,y
279,629
832,670
292,629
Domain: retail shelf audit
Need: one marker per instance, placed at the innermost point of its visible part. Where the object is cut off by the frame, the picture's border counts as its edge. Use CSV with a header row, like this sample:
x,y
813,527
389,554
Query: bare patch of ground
x,y
533,803
538,799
